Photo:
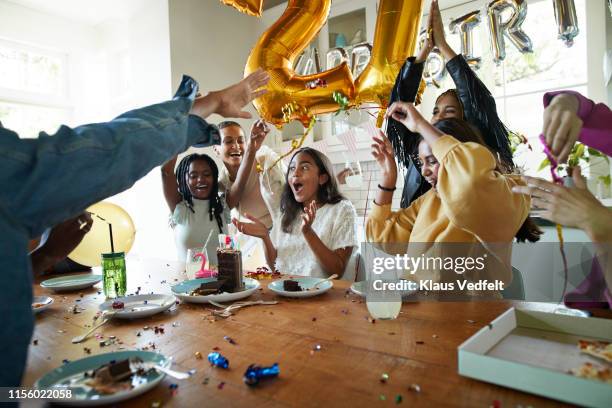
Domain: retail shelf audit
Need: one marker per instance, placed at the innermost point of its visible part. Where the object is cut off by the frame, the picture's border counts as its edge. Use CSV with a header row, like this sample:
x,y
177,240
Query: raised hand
x,y
229,102
569,206
428,44
255,228
406,114
384,156
562,125
310,213
259,131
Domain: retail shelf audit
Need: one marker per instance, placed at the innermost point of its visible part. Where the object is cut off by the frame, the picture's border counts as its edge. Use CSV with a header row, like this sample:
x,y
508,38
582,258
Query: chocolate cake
x,y
207,288
230,270
291,286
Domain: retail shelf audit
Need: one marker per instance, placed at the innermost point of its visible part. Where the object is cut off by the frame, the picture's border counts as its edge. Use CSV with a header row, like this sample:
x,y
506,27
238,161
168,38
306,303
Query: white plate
x,y
83,395
71,282
361,288
305,283
46,302
183,290
138,306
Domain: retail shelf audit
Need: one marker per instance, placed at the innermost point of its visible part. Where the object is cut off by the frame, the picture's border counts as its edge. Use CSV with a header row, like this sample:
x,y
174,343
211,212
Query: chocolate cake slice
x,y
291,286
230,270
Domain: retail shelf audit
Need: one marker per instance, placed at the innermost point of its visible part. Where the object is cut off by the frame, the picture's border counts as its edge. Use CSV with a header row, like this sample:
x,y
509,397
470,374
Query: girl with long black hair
x,y
315,232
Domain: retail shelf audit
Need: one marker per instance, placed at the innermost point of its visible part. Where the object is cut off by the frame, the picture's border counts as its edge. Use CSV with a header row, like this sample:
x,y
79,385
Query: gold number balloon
x,y
294,97
395,39
251,7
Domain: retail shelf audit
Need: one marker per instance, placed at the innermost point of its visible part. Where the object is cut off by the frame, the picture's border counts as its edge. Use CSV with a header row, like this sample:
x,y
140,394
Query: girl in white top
x,y
193,198
315,232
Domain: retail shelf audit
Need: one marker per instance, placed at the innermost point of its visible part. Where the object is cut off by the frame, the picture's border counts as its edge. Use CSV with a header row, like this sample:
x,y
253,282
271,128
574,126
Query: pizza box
x,y
533,352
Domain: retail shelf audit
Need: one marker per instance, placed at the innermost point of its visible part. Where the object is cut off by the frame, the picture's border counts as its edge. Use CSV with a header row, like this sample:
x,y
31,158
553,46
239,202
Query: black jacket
x,y
479,109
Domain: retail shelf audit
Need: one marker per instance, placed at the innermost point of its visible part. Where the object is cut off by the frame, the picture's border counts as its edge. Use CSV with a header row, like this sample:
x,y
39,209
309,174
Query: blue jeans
x,y
50,179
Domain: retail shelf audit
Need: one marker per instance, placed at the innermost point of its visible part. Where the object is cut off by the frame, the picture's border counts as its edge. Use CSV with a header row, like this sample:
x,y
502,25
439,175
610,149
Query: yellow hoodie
x,y
472,203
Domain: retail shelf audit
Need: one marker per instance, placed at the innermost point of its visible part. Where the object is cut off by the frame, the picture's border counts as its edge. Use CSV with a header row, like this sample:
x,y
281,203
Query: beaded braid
x,y
216,205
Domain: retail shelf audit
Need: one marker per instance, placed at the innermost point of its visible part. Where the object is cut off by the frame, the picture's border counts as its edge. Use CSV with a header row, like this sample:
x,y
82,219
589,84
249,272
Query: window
x,y
33,89
522,79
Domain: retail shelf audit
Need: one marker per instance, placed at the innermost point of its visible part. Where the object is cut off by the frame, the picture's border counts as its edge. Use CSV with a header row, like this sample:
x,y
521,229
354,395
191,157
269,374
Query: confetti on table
x,y
415,387
229,340
255,373
420,342
198,355
314,319
218,360
398,399
384,378
156,404
206,381
382,397
221,385
435,336
471,321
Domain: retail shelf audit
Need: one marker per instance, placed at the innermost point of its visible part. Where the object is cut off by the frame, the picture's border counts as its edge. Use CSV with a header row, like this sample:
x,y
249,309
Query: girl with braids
x,y
315,232
470,101
193,198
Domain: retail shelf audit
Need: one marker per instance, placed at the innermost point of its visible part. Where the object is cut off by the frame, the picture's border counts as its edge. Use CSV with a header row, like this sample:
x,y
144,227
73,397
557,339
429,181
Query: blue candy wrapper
x,y
254,373
218,360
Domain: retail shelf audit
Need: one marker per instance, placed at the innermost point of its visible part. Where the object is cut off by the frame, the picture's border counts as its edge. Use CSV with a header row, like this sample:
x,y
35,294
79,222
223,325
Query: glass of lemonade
x,y
383,303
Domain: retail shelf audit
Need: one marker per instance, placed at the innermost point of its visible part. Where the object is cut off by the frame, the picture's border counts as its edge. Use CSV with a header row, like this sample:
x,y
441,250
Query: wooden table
x,y
420,347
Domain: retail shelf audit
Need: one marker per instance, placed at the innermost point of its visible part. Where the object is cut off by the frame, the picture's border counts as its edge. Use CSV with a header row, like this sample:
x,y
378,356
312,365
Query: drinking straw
x,y
110,231
206,242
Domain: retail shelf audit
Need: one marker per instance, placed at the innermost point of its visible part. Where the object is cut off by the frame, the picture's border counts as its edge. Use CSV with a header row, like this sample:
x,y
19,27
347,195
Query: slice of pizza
x,y
599,349
593,372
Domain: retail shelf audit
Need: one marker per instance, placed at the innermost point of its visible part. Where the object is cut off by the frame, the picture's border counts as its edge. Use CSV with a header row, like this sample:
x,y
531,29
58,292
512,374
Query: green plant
x,y
580,155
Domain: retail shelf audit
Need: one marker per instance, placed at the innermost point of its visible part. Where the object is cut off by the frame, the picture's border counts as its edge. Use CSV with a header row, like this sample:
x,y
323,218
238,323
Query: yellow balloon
x,y
97,240
395,39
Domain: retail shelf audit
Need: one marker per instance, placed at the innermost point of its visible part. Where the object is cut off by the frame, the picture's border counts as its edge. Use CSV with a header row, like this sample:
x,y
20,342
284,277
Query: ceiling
x,y
91,12
94,12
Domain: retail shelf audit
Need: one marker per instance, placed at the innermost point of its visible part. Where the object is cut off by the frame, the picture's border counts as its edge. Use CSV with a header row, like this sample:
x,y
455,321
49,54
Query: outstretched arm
x,y
170,185
259,130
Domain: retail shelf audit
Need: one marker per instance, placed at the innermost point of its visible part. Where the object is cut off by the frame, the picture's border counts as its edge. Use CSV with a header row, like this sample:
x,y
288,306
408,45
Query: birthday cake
x,y
230,270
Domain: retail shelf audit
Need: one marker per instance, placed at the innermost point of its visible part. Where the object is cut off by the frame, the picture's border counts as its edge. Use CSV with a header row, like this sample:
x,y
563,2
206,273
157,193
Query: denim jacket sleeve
x,y
53,177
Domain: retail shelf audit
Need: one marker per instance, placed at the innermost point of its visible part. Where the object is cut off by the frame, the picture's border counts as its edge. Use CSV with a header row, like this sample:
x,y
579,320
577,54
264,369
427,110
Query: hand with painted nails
x,y
570,206
562,125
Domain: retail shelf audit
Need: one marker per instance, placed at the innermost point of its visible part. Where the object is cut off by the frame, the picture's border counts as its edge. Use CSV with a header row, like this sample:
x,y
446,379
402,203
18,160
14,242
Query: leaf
x,y
606,180
545,163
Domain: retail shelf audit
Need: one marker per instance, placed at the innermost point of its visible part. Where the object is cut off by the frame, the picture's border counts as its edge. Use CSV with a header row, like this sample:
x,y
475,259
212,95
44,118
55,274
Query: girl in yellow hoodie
x,y
471,201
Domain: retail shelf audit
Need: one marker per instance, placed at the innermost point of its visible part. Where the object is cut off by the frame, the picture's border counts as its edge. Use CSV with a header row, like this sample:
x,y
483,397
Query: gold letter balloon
x,y
294,97
250,7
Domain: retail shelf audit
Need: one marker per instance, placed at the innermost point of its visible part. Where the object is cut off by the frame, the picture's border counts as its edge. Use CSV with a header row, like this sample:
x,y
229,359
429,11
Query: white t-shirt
x,y
262,192
334,224
192,228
